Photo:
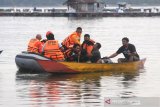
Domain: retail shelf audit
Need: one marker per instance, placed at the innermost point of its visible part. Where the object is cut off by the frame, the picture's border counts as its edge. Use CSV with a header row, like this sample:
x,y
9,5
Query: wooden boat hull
x,y
38,63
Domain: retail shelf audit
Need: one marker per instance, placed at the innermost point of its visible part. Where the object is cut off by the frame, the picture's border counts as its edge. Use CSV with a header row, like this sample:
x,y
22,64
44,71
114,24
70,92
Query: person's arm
x,y
133,51
113,55
43,48
120,50
132,54
116,53
40,47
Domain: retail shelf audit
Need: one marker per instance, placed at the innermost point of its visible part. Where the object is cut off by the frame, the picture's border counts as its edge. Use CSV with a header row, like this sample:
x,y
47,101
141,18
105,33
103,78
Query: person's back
x,y
72,39
51,48
35,45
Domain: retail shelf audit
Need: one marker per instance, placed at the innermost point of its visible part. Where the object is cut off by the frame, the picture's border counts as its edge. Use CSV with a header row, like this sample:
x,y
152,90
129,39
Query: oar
x,y
78,57
1,51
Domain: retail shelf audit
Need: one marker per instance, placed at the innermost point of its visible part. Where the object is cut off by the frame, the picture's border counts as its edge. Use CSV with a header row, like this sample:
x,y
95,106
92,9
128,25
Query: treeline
x,y
60,2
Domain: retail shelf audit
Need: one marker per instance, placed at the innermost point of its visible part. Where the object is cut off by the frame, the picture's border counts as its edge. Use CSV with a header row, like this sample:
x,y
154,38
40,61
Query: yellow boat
x,y
39,63
74,67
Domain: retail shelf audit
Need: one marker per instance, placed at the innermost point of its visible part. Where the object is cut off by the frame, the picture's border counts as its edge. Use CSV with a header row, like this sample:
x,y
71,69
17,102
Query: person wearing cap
x,y
52,49
35,45
87,47
72,39
128,50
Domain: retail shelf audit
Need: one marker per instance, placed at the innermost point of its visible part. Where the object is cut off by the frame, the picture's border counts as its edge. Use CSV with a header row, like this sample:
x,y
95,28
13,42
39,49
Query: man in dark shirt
x,y
96,55
128,50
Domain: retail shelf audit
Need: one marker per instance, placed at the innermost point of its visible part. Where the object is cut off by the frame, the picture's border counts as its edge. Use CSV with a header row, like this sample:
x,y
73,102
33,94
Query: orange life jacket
x,y
88,46
67,53
72,39
32,47
52,50
70,55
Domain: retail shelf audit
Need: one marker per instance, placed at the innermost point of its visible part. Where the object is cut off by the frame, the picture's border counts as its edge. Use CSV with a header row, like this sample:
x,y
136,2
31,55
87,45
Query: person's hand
x,y
129,54
89,55
79,53
62,48
44,40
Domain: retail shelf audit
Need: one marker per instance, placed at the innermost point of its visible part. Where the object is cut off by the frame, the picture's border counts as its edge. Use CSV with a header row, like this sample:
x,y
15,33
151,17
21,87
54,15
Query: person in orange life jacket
x,y
87,47
72,39
35,45
128,50
45,40
73,54
51,48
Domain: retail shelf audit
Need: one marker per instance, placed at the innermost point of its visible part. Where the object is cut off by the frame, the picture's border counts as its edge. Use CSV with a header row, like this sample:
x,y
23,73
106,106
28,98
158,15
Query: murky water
x,y
86,90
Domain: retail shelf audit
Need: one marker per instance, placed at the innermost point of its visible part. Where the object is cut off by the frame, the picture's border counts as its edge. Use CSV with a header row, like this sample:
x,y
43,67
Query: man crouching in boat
x,y
73,54
72,39
51,48
35,45
96,55
128,50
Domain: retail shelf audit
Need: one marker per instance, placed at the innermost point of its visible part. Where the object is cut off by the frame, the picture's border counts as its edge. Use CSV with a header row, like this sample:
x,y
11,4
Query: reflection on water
x,y
71,89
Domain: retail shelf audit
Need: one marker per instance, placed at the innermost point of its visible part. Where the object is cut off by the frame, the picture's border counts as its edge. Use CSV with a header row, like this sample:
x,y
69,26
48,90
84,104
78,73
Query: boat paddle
x,y
79,54
1,51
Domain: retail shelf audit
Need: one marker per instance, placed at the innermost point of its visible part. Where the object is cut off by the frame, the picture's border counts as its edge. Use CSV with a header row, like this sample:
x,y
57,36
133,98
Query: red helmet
x,y
48,33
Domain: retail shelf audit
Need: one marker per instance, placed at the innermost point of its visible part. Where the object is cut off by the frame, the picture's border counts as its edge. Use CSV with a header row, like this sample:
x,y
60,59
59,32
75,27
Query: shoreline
x,y
22,14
